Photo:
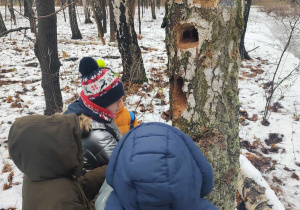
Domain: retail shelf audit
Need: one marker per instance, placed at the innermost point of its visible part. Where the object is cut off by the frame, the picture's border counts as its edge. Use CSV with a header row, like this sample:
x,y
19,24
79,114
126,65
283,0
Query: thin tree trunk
x,y
133,66
5,11
139,14
62,4
132,10
46,51
112,23
203,61
104,16
20,6
73,21
2,25
153,10
87,12
98,18
26,7
11,10
243,52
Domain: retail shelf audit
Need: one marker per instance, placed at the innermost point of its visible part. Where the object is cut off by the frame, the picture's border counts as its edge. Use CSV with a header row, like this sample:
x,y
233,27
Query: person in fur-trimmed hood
x,y
156,167
100,99
48,150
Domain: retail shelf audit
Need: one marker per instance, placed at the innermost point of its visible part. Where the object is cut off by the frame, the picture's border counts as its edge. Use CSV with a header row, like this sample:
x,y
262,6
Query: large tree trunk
x,y
202,42
2,25
73,21
112,23
243,51
46,51
133,66
98,18
153,10
87,12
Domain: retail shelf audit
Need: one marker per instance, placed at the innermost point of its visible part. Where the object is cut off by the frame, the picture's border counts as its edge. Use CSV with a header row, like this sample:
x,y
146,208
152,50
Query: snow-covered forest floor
x,y
273,150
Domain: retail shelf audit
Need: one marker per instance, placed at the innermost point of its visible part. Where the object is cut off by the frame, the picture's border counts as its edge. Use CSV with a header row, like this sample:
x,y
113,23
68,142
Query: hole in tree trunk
x,y
179,101
187,36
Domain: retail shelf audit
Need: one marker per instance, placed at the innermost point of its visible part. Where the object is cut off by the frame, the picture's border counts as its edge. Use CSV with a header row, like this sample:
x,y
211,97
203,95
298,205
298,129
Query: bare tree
x,y
132,8
153,10
87,12
203,62
243,52
45,49
2,25
27,5
139,17
98,18
103,12
73,20
292,26
133,66
112,22
11,10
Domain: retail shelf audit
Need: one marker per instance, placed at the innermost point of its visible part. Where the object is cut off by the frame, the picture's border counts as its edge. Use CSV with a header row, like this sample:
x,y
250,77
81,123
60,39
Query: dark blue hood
x,y
157,167
79,108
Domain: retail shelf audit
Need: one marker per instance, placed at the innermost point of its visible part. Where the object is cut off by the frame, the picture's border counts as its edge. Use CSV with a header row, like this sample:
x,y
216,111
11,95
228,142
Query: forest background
x,y
273,150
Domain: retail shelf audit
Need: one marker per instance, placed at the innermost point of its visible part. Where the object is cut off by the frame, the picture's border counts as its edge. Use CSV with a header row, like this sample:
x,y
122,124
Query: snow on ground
x,y
283,174
21,94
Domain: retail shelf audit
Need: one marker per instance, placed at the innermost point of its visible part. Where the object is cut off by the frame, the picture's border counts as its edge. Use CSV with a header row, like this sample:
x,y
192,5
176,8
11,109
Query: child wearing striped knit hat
x,y
100,99
125,119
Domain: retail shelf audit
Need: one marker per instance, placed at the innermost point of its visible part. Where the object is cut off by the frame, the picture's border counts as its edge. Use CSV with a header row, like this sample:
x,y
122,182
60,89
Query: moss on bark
x,y
209,72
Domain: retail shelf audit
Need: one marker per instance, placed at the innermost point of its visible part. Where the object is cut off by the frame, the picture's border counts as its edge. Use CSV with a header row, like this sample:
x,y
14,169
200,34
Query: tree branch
x,y
12,30
54,13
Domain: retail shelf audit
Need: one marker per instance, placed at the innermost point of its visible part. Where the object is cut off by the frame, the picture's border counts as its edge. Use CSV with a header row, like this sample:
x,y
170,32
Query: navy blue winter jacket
x,y
156,167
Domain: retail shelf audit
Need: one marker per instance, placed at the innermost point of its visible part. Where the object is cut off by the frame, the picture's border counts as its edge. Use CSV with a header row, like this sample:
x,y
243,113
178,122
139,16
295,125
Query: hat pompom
x,y
101,63
87,65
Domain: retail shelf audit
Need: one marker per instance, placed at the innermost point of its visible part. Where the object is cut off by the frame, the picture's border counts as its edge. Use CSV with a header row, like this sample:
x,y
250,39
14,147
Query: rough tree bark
x,y
132,61
243,52
2,25
87,12
202,40
46,51
98,18
73,21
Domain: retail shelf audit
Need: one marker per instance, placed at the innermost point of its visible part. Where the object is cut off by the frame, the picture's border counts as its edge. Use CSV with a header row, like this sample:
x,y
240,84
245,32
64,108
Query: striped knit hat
x,y
99,85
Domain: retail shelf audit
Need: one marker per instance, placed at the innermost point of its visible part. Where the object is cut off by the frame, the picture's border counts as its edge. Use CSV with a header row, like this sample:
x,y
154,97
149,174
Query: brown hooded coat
x,y
48,150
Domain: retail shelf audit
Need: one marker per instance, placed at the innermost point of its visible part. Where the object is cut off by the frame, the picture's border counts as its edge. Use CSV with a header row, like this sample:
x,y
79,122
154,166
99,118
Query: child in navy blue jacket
x,y
156,167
